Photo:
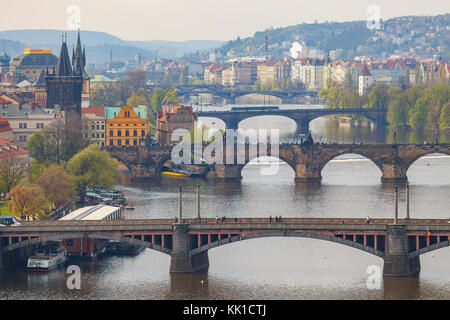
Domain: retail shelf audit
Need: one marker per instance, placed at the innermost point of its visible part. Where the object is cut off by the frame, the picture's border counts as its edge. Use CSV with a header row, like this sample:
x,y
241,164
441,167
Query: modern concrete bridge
x,y
188,243
307,160
302,117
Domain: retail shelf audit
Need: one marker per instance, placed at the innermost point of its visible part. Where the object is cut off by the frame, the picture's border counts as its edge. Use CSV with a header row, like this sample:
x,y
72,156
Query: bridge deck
x,y
243,224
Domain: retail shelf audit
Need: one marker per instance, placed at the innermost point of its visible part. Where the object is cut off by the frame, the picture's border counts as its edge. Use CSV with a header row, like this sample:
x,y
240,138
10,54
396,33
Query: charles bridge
x,y
188,241
307,160
302,117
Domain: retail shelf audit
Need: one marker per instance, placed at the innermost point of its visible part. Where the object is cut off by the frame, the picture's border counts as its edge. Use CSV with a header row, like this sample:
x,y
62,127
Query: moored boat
x,y
47,258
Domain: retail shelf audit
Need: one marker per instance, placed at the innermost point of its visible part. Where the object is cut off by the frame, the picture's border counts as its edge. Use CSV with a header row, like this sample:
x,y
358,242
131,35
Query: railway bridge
x,y
188,241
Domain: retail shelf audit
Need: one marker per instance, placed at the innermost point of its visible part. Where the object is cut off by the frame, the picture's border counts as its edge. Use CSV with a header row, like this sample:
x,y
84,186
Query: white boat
x,y
47,259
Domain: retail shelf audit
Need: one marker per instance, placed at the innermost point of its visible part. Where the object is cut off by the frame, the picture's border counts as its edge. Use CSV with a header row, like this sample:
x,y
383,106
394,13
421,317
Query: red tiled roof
x,y
100,111
365,72
8,149
4,125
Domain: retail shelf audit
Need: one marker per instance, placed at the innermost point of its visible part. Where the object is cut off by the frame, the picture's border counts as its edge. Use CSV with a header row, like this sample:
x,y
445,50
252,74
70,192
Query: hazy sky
x,y
199,19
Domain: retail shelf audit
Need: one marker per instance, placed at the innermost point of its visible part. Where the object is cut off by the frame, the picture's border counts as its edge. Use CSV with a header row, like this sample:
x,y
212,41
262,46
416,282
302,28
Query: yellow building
x,y
126,126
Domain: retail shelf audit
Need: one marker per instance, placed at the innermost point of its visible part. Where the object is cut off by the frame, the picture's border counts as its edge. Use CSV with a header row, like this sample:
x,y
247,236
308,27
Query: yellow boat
x,y
176,174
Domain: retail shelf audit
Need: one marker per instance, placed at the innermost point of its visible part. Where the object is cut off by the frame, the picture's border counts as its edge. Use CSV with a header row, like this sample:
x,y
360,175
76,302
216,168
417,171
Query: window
x,y
103,135
143,133
135,133
111,133
127,133
127,142
38,125
24,125
111,142
135,142
93,135
98,127
103,127
119,133
119,142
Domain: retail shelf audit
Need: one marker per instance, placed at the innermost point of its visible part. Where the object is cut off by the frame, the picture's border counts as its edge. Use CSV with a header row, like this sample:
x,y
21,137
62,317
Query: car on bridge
x,y
9,221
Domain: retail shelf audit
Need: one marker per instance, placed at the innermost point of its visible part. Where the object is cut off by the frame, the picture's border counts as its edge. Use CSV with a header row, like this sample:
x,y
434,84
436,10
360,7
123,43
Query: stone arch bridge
x,y
307,160
230,95
302,117
188,243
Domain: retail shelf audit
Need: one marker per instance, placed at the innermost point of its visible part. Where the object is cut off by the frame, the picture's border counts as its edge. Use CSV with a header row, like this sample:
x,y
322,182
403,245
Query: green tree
x,y
378,97
417,115
135,100
12,172
334,97
171,97
59,141
58,185
28,201
92,166
135,79
444,120
157,99
398,111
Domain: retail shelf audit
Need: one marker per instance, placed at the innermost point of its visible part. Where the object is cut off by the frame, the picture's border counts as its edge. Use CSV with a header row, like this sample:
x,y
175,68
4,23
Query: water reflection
x,y
271,268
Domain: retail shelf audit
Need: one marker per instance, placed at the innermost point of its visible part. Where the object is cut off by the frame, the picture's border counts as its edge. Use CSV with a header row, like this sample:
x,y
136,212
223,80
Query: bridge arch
x,y
291,120
270,158
437,151
105,236
430,248
339,153
301,234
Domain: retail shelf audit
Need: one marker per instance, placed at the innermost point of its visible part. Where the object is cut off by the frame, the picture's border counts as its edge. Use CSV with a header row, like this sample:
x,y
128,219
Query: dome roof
x,y
32,58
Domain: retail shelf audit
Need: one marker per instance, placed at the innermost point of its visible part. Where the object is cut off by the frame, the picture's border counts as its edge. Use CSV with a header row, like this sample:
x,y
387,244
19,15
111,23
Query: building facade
x,y
32,61
172,118
126,126
366,80
94,125
26,119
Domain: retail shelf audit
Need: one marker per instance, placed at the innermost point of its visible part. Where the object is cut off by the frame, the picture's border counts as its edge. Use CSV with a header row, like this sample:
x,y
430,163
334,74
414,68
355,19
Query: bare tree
x,y
12,171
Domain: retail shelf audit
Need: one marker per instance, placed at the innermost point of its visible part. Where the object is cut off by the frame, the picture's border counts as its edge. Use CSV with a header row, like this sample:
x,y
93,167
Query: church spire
x,y
78,60
64,68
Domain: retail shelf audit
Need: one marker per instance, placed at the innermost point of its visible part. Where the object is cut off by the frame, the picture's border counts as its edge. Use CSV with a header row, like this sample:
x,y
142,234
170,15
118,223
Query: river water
x,y
269,268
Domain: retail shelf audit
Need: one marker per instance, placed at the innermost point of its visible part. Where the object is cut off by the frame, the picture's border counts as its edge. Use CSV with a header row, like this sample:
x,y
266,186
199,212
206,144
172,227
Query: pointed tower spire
x,y
78,67
84,55
63,67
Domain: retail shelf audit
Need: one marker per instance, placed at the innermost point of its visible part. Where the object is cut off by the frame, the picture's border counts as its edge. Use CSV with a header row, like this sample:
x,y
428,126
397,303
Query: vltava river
x,y
268,268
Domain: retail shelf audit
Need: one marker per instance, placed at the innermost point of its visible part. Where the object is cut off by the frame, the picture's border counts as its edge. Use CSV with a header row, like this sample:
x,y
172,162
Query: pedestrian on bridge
x,y
270,219
368,219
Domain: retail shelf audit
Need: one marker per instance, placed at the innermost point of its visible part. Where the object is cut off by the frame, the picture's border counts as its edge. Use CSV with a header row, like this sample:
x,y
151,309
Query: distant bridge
x,y
302,117
230,95
188,243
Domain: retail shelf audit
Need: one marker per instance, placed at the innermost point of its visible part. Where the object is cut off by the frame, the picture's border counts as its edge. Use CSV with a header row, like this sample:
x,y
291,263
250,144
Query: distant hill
x,y
98,44
351,38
